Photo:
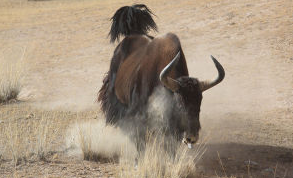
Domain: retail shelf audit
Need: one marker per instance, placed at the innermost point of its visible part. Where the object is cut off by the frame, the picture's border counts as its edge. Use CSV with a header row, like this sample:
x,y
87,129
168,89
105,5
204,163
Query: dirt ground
x,y
248,118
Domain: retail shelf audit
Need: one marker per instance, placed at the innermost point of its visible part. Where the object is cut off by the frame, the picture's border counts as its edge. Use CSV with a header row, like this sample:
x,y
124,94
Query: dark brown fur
x,y
133,84
134,73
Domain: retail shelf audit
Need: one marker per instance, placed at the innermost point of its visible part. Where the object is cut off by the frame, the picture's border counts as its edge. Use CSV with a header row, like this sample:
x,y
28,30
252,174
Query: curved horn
x,y
167,81
204,85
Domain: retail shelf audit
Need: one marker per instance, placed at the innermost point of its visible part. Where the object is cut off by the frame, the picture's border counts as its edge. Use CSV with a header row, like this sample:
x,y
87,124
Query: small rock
x,y
268,170
55,156
29,116
249,14
251,164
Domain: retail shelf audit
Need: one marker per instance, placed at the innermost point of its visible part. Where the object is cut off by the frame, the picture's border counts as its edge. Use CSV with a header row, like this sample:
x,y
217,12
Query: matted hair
x,y
129,20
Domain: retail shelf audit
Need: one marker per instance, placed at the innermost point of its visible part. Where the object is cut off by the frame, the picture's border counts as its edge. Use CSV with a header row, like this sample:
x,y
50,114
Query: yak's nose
x,y
190,141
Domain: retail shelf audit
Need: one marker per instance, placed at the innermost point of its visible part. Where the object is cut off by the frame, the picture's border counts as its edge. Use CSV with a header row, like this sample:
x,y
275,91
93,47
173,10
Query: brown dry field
x,y
248,117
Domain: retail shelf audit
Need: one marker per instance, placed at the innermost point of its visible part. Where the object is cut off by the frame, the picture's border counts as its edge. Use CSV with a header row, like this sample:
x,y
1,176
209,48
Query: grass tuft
x,y
155,162
10,79
29,135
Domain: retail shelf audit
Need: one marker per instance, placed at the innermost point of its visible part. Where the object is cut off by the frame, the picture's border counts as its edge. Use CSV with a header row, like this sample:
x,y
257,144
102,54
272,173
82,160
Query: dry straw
x,y
96,141
155,162
11,73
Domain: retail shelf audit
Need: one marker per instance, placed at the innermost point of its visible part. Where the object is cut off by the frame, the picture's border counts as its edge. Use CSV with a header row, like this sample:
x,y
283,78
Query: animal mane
x,y
129,20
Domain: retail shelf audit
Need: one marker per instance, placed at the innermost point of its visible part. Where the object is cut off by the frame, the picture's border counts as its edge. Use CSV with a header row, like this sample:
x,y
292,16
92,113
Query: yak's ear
x,y
173,84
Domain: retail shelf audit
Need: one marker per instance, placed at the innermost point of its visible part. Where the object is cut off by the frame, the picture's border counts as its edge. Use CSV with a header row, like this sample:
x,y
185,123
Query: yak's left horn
x,y
205,85
168,82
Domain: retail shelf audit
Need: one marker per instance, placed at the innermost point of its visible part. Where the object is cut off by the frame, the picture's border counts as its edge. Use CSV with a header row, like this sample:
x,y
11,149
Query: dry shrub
x,y
11,73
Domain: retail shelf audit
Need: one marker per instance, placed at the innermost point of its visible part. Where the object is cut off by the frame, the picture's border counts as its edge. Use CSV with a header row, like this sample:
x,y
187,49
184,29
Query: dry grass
x,y
29,137
29,134
93,140
155,162
11,75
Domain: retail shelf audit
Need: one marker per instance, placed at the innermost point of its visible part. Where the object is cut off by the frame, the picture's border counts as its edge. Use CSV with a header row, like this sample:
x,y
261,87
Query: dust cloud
x,y
96,137
93,138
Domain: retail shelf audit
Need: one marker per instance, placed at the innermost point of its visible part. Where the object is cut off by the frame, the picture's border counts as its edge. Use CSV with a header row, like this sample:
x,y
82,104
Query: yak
x,y
144,67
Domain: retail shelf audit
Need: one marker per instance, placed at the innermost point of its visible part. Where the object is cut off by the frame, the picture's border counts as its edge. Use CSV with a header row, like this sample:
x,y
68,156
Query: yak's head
x,y
188,95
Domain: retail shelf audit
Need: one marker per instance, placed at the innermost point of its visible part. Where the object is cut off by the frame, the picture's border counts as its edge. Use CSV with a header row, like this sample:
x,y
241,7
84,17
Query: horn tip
x,y
215,60
219,67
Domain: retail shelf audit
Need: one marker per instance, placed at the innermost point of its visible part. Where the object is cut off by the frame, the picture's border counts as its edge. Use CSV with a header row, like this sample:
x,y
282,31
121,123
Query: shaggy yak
x,y
147,87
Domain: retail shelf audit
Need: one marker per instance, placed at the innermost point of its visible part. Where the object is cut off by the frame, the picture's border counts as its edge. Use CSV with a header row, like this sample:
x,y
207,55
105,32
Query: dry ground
x,y
248,117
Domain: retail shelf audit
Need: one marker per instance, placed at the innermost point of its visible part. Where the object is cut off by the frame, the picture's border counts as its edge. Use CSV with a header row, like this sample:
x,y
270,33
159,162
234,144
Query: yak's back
x,y
138,73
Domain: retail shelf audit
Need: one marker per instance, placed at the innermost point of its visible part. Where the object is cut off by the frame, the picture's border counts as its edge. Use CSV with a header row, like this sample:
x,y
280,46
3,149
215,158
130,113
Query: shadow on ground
x,y
241,160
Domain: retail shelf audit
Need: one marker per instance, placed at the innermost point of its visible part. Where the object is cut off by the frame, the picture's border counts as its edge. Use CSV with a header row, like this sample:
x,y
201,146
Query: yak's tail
x,y
128,20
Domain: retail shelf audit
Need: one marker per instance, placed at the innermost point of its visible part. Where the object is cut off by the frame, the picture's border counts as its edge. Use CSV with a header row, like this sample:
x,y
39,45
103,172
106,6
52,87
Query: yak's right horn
x,y
205,85
168,82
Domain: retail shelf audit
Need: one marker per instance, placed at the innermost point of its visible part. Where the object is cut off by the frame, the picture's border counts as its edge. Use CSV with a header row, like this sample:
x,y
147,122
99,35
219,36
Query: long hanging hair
x,y
128,20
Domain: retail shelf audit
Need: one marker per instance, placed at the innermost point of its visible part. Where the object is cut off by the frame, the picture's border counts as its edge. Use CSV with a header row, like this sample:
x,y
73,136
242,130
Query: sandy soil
x,y
248,118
